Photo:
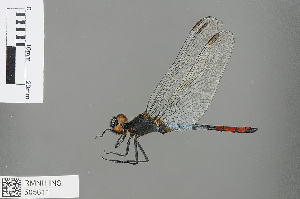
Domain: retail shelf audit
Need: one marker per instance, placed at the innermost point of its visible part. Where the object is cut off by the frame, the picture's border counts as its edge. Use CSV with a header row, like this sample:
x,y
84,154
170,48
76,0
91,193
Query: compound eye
x,y
114,122
117,123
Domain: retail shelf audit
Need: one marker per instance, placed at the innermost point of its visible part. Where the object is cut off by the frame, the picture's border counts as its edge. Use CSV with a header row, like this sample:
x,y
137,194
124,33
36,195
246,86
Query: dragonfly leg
x,y
127,148
142,150
136,150
136,161
120,140
102,133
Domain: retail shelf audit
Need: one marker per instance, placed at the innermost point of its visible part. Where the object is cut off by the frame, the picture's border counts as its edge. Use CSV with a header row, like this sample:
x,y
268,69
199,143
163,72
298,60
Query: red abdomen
x,y
235,129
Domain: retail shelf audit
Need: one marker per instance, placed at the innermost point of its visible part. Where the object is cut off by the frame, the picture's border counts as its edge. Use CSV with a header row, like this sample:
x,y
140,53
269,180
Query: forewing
x,y
195,43
196,91
198,37
186,91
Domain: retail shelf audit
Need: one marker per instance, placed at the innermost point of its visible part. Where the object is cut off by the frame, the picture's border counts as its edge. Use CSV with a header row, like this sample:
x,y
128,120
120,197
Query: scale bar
x,y
10,64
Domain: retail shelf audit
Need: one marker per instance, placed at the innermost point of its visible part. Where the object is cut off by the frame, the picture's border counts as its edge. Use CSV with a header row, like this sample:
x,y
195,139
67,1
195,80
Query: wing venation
x,y
187,89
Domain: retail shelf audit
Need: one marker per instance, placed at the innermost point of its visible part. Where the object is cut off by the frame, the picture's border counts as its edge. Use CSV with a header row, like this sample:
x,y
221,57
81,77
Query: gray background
x,y
106,57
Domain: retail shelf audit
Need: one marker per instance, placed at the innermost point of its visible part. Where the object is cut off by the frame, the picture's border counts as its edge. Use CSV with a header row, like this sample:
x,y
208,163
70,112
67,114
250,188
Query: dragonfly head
x,y
117,123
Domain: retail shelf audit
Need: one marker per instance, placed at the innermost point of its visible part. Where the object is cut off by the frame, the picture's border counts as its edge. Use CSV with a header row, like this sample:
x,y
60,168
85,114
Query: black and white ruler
x,y
21,51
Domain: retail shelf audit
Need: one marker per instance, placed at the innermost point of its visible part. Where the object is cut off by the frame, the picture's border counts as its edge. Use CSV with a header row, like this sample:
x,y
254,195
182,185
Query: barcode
x,y
11,187
66,186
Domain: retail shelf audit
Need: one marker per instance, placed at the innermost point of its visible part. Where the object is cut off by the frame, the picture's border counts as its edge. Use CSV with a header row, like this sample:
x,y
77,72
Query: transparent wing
x,y
187,89
197,39
196,91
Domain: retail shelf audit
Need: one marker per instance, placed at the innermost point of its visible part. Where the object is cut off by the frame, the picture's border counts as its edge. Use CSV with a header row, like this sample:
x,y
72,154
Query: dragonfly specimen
x,y
184,93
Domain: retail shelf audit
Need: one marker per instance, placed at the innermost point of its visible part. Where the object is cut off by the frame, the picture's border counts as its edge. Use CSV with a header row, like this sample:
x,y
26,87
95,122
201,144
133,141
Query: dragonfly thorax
x,y
117,123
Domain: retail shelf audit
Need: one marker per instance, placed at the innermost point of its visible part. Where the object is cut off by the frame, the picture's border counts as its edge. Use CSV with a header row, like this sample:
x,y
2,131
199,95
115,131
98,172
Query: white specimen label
x,y
40,187
21,51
